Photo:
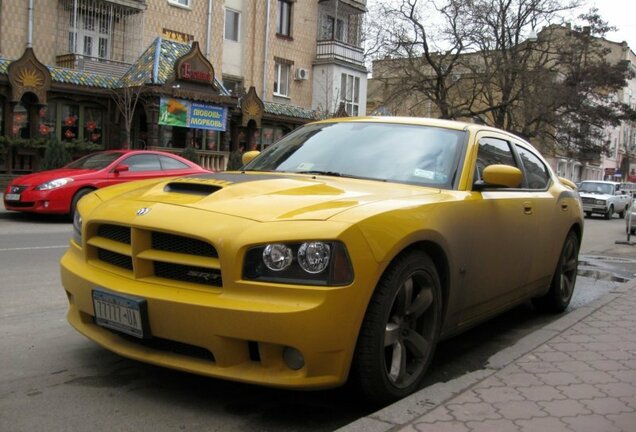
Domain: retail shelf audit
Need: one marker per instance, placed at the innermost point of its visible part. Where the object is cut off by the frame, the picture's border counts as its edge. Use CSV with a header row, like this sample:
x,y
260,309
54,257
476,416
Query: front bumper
x,y
595,208
243,326
53,201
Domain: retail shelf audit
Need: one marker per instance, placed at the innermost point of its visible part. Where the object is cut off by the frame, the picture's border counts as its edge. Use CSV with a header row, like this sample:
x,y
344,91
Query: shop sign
x,y
183,113
177,36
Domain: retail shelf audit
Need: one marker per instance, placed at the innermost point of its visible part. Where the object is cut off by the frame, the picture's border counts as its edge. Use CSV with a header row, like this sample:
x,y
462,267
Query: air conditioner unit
x,y
302,74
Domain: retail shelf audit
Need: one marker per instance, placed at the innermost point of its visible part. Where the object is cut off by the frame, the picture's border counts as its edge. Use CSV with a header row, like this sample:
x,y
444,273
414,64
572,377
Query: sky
x,y
620,14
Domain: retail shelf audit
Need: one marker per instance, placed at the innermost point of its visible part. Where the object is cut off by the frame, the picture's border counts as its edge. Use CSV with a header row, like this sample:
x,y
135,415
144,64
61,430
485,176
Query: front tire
x,y
400,329
610,212
78,195
621,215
558,297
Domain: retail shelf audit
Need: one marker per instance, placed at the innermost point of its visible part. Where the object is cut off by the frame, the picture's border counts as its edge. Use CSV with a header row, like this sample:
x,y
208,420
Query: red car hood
x,y
44,176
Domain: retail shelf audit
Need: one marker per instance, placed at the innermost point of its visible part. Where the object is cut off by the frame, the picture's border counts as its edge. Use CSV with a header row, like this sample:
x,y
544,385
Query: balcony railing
x,y
328,51
92,64
210,160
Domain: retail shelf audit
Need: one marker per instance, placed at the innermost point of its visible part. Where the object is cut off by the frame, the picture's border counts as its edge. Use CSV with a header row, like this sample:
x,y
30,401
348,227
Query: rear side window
x,y
168,163
536,173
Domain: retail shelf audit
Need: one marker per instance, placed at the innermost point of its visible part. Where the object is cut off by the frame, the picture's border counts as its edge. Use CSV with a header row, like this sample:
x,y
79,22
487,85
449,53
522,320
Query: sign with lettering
x,y
183,113
177,36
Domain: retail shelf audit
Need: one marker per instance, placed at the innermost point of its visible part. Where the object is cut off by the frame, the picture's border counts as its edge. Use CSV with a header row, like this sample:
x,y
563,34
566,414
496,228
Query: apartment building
x,y
259,68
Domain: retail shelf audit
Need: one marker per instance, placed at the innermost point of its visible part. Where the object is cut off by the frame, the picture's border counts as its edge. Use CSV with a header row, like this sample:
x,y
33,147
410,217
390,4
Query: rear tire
x,y
400,330
558,297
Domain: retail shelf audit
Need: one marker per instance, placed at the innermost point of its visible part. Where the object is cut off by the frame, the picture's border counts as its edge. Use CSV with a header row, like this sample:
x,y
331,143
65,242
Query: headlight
x,y
277,257
54,184
600,202
306,263
77,228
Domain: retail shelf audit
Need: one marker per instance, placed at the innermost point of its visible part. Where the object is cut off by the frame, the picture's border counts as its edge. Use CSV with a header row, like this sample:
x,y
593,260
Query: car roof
x,y
601,181
421,121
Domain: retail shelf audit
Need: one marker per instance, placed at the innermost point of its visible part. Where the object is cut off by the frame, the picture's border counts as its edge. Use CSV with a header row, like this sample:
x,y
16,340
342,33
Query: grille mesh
x,y
114,232
180,244
119,260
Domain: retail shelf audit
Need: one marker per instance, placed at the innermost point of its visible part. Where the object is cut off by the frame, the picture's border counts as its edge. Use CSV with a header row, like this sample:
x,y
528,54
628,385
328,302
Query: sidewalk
x,y
576,374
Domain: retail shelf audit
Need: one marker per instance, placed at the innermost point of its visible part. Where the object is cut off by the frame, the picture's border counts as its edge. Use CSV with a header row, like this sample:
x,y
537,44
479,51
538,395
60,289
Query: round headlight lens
x,y
277,257
313,257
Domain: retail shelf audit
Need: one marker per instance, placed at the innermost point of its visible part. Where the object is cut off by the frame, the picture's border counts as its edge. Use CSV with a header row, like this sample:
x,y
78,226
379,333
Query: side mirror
x,y
248,156
500,176
121,168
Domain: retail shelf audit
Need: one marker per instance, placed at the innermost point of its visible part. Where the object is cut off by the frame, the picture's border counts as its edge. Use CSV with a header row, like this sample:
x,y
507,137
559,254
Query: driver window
x,y
492,151
142,162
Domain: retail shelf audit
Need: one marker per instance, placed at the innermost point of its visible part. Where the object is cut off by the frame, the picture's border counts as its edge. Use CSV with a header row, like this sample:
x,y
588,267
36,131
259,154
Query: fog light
x,y
46,204
293,358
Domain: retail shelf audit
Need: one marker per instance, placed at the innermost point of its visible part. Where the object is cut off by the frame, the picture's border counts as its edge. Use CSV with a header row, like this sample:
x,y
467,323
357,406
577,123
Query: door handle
x,y
527,208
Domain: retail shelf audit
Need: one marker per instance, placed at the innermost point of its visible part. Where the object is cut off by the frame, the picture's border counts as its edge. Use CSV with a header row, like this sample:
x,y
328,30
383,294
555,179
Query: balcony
x,y
92,64
333,51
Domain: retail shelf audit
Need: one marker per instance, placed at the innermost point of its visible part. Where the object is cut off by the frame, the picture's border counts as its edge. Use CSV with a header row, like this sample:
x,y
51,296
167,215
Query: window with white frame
x,y
91,35
281,78
232,22
350,93
186,3
283,25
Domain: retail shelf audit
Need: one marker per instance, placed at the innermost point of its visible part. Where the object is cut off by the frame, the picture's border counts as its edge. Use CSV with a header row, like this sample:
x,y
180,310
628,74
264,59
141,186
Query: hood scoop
x,y
200,189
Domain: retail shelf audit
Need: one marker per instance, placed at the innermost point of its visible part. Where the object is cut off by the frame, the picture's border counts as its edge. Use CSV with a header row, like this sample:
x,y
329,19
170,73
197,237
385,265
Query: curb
x,y
409,409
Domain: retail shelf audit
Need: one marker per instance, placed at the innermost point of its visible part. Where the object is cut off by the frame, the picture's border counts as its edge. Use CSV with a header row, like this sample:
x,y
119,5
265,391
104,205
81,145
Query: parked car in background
x,y
346,250
630,219
630,188
604,197
59,190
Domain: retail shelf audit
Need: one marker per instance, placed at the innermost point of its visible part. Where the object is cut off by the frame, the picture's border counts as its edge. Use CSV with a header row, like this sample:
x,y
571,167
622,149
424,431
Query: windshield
x,y
380,151
95,161
598,188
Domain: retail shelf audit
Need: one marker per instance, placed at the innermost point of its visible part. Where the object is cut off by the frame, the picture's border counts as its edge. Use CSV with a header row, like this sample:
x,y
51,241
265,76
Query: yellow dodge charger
x,y
347,250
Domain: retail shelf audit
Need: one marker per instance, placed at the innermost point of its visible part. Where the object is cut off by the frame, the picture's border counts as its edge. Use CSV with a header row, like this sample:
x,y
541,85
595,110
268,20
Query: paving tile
x,y
629,401
559,378
628,376
540,393
539,367
574,366
595,377
607,405
515,410
439,414
564,408
620,389
493,425
550,424
521,380
606,365
567,347
591,423
473,411
581,391
501,394
453,426
624,421
588,355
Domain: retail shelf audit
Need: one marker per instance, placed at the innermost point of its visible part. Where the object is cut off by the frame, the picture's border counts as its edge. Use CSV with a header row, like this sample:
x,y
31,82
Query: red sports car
x,y
59,190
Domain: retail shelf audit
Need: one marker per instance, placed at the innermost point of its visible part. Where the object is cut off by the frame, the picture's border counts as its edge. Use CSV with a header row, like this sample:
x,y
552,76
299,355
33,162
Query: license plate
x,y
12,197
126,314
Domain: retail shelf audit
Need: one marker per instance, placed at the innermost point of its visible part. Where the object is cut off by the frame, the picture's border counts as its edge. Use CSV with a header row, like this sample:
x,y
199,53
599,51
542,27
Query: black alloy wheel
x,y
400,329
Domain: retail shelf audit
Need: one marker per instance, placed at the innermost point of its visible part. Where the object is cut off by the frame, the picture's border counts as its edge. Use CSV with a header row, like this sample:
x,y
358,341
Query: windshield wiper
x,y
327,173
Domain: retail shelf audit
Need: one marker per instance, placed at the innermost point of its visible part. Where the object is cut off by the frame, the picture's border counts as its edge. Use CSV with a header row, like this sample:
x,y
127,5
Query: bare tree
x,y
126,99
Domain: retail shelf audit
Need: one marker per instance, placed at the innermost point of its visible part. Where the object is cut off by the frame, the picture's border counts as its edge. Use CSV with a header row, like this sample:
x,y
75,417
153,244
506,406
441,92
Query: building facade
x,y
72,70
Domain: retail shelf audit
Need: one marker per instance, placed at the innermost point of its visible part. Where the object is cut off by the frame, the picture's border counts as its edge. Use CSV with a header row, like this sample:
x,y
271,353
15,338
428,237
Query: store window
x,y
283,26
350,93
20,121
69,122
281,78
269,135
232,21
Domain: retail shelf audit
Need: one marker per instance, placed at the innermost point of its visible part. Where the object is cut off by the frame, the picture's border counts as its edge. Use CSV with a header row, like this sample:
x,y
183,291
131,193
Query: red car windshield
x,y
95,161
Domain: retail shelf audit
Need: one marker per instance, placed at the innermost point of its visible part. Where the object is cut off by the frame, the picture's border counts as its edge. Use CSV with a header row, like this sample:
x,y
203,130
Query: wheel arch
x,y
89,188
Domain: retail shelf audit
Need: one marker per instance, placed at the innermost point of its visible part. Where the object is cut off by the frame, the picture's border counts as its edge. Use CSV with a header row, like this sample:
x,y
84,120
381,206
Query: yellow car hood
x,y
268,196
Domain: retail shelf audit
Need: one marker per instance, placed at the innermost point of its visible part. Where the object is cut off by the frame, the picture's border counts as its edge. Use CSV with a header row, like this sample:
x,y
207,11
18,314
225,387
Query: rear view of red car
x,y
58,191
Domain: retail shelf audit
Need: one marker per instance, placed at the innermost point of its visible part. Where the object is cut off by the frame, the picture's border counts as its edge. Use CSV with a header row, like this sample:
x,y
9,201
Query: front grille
x,y
114,232
21,204
115,259
16,189
167,345
179,244
587,200
198,275
148,253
